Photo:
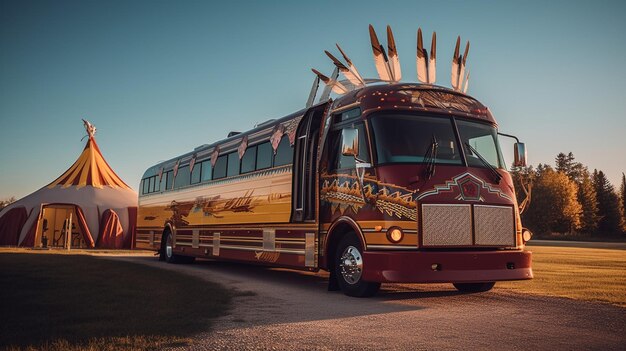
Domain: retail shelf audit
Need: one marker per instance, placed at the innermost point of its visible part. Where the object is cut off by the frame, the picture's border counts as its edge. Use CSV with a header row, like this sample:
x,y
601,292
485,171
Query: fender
x,y
331,233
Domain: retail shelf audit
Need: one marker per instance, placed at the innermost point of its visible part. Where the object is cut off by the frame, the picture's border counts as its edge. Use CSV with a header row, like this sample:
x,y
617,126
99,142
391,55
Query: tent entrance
x,y
54,226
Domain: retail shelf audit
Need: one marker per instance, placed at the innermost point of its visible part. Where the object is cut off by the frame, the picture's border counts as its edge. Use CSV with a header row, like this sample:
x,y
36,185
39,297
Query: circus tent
x,y
87,206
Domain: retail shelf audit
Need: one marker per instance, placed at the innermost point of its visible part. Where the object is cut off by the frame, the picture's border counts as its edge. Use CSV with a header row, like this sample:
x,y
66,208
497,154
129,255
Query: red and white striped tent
x,y
102,208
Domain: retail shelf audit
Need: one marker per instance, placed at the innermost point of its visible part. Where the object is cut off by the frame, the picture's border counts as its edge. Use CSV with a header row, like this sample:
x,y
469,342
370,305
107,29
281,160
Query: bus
x,y
388,183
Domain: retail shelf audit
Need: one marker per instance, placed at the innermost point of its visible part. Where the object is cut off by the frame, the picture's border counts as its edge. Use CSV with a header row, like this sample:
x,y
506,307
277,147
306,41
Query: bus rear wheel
x,y
349,269
167,251
474,287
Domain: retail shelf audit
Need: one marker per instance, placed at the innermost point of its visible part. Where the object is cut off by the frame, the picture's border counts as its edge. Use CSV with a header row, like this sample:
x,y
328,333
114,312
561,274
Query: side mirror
x,y
350,142
519,151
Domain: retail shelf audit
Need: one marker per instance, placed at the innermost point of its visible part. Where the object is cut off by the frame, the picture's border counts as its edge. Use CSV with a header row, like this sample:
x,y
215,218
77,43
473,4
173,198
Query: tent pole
x,y
68,233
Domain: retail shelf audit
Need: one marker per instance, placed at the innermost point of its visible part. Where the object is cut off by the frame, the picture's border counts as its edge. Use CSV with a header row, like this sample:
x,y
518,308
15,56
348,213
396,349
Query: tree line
x,y
569,199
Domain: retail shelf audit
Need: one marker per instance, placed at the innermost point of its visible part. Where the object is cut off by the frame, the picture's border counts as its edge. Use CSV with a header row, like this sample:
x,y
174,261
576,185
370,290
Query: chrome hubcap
x,y
168,246
351,265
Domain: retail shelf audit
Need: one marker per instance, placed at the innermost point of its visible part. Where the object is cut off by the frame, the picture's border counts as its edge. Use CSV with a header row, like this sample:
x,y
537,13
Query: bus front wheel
x,y
474,287
349,269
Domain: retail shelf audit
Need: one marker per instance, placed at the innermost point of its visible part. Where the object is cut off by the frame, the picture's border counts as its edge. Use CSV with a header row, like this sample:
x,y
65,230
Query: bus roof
x,y
413,97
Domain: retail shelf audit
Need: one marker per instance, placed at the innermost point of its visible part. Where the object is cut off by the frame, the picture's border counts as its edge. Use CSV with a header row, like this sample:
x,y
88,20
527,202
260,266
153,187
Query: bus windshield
x,y
484,139
405,138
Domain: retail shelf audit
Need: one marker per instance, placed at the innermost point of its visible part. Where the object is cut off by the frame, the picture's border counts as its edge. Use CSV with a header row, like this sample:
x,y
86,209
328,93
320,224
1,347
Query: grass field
x,y
578,273
82,302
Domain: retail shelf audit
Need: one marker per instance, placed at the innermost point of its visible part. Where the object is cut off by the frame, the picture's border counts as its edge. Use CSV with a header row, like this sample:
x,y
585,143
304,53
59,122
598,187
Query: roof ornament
x,y
388,66
457,75
90,128
426,67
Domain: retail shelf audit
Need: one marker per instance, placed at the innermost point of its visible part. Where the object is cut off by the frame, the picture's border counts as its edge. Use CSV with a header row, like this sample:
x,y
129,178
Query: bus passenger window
x,y
145,186
264,156
206,170
220,167
195,173
168,180
151,185
284,153
248,161
157,183
182,178
233,164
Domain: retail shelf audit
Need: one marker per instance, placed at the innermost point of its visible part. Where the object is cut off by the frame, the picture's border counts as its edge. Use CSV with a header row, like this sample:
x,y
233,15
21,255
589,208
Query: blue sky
x,y
158,78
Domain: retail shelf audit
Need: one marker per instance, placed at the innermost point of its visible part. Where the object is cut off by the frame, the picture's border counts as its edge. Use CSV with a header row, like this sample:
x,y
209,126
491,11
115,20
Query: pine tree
x,y
588,201
609,208
566,164
561,162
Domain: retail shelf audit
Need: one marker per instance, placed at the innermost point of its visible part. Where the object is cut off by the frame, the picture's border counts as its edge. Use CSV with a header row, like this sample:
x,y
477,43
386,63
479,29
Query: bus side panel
x,y
259,197
284,245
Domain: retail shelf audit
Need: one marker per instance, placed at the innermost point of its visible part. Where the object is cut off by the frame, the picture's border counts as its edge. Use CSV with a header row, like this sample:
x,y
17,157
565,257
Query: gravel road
x,y
292,310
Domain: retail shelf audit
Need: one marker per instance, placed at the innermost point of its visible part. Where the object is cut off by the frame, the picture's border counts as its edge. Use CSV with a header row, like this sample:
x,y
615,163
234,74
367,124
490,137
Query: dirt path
x,y
293,310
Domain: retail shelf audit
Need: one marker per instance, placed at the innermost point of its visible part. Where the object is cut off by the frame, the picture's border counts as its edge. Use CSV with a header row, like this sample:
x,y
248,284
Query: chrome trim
x,y
169,246
250,248
390,247
409,231
269,240
309,250
195,238
351,265
216,244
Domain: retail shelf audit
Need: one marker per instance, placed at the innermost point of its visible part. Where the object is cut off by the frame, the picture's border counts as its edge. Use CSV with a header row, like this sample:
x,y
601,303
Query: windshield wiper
x,y
430,157
497,177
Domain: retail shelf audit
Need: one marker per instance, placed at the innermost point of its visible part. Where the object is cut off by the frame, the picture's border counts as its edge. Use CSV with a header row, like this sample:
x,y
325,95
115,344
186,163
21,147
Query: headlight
x,y
395,234
526,235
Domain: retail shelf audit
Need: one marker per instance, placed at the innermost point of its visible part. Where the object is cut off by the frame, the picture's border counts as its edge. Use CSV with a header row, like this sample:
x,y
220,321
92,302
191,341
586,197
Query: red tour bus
x,y
388,182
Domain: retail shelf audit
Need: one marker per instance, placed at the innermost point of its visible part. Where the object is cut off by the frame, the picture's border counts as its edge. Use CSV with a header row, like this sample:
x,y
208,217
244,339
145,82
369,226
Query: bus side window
x,y
220,167
168,180
182,178
233,164
145,186
206,170
195,173
248,161
284,153
157,185
264,155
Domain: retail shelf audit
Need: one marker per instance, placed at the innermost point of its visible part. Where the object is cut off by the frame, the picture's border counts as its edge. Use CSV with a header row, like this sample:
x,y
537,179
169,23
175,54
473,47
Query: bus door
x,y
305,165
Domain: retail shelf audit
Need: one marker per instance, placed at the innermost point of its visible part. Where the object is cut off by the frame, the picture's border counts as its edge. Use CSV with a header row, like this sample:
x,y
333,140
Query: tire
x,y
349,268
474,287
167,251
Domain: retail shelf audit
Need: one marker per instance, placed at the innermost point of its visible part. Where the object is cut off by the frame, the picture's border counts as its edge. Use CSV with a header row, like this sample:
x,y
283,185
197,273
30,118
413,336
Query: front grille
x,y
494,225
446,225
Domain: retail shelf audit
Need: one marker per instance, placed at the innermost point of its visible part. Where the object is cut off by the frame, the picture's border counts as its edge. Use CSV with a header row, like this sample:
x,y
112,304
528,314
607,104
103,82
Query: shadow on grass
x,y
77,300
